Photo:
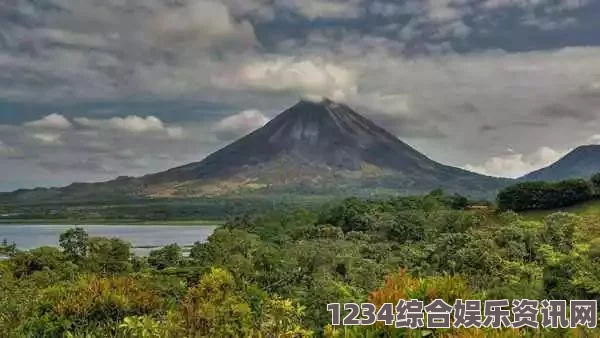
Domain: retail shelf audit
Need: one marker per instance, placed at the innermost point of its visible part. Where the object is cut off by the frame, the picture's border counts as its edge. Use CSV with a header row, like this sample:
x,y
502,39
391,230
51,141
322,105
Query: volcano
x,y
318,147
311,148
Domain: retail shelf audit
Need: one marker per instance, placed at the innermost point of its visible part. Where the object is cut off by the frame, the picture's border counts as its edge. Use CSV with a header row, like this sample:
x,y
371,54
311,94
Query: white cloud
x,y
545,23
572,4
5,150
313,9
175,132
393,105
48,138
240,124
456,29
101,149
445,10
89,165
61,36
516,165
199,24
132,124
389,9
52,121
306,77
592,89
493,4
258,9
125,154
553,6
595,139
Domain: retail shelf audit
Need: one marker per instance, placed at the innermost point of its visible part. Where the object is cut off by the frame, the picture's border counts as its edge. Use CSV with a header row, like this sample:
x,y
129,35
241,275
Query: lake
x,y
143,238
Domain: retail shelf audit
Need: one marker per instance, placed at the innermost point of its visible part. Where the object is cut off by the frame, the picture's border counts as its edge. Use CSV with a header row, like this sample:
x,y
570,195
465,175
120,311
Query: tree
x,y
282,318
458,202
557,279
544,195
594,251
108,256
28,262
439,192
559,229
167,256
8,249
215,308
75,244
408,226
350,215
596,183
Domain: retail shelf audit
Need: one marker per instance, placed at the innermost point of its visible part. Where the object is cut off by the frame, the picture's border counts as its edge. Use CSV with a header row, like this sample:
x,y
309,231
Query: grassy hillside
x,y
589,209
163,211
149,210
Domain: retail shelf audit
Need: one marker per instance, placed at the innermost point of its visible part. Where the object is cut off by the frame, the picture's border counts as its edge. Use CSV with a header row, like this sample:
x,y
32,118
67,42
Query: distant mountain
x,y
311,148
583,162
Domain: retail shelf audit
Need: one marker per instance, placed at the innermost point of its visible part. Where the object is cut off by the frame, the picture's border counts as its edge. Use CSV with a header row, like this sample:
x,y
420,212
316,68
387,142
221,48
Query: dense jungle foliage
x,y
544,195
273,275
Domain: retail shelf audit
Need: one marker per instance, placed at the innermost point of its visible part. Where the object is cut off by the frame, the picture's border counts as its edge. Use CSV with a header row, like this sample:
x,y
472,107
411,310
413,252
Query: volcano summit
x,y
313,147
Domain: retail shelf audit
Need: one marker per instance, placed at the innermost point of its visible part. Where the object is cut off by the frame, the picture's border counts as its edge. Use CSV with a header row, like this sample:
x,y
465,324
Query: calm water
x,y
140,236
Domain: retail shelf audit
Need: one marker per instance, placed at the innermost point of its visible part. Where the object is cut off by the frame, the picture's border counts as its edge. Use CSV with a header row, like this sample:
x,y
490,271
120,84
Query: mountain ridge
x,y
581,162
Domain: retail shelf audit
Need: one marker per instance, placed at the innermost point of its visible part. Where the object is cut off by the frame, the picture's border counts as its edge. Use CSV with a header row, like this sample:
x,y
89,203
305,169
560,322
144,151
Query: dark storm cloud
x,y
486,128
409,127
532,124
560,111
469,108
581,105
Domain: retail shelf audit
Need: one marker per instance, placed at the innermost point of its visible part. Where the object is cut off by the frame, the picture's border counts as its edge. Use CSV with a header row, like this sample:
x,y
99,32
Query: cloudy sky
x,y
93,89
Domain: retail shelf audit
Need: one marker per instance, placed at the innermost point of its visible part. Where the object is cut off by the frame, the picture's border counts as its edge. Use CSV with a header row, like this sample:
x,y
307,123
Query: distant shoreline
x,y
205,223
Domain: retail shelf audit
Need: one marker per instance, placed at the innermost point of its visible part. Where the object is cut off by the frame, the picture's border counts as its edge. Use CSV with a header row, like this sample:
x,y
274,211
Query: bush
x,y
90,302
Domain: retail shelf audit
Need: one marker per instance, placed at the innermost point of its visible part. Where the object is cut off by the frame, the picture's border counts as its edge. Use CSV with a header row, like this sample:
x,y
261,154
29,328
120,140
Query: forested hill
x,y
273,275
541,195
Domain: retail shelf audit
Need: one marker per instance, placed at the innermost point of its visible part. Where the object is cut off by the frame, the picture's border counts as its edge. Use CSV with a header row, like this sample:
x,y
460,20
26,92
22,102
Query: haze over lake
x,y
143,238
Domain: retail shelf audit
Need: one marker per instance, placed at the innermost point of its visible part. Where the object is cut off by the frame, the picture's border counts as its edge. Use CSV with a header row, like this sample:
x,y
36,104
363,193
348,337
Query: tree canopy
x,y
273,275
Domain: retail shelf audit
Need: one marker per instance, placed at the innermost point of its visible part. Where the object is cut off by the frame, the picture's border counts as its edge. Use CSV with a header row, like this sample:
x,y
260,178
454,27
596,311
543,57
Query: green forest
x,y
273,275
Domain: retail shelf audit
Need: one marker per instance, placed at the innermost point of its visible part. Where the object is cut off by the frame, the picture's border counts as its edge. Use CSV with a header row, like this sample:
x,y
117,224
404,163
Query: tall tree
x,y
75,244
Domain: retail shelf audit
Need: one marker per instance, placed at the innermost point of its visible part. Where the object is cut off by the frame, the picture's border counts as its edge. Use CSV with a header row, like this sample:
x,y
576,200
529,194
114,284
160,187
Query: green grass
x,y
587,209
